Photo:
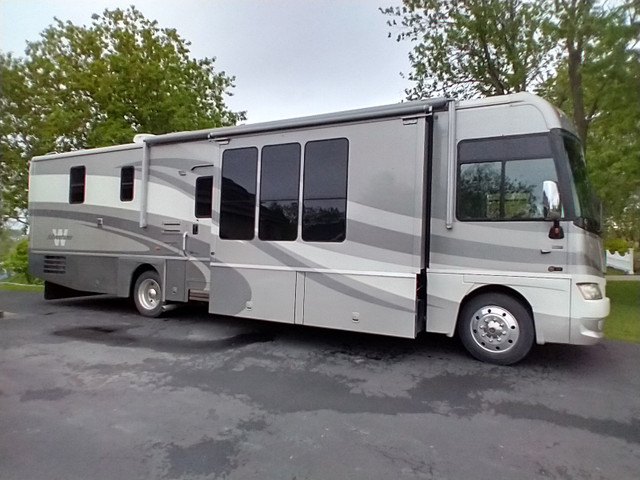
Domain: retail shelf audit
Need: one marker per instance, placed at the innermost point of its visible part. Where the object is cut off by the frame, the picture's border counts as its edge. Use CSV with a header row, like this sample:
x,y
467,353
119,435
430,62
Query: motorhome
x,y
472,217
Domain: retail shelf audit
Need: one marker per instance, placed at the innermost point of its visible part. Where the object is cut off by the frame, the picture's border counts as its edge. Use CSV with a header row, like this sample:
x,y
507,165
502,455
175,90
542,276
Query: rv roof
x,y
91,151
398,109
407,108
551,114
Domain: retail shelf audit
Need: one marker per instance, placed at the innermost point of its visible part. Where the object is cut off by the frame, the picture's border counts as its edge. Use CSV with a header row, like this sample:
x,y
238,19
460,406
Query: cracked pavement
x,y
91,390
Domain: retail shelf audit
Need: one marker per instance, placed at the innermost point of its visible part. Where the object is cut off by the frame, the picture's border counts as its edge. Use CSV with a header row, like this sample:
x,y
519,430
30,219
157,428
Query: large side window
x,y
279,186
77,177
204,186
238,194
324,203
127,175
501,179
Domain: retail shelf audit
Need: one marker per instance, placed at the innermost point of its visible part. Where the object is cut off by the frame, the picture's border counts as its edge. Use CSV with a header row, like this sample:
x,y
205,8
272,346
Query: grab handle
x,y
184,242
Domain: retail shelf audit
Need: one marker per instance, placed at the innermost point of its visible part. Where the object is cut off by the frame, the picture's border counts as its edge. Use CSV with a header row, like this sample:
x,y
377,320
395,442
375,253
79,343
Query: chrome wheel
x,y
149,294
494,329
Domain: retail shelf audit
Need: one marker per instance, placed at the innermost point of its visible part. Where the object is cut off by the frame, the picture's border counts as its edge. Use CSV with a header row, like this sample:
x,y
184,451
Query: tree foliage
x,y
82,87
8,239
598,85
16,137
17,262
599,54
470,48
580,54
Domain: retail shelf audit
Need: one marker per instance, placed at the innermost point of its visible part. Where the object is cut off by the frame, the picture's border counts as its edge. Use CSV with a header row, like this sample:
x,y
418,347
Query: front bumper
x,y
588,316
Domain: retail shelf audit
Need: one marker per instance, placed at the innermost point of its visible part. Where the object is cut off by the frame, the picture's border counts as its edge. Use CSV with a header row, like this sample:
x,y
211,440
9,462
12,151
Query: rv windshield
x,y
586,203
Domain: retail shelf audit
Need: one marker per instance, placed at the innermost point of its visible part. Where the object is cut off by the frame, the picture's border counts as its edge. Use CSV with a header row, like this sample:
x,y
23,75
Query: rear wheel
x,y
496,328
147,294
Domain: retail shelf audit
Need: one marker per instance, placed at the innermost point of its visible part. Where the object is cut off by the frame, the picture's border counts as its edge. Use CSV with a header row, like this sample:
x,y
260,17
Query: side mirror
x,y
552,209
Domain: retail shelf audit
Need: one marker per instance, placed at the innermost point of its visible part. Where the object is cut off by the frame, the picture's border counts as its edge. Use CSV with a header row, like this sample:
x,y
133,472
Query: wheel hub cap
x,y
494,329
148,294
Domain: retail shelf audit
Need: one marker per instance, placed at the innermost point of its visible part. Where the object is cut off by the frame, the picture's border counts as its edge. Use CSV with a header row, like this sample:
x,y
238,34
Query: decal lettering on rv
x,y
60,236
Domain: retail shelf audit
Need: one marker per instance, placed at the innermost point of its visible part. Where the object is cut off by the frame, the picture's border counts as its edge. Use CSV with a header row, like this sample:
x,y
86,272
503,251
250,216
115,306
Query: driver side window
x,y
501,179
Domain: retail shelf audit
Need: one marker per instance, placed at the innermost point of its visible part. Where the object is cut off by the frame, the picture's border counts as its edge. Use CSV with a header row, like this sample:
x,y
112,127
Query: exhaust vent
x,y
55,264
171,227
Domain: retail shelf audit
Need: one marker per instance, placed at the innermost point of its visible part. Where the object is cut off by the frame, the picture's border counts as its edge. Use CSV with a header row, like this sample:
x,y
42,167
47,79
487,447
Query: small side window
x,y
127,175
204,186
77,177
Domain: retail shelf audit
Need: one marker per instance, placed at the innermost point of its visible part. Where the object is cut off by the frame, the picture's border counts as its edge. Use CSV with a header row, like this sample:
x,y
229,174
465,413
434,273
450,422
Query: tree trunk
x,y
575,86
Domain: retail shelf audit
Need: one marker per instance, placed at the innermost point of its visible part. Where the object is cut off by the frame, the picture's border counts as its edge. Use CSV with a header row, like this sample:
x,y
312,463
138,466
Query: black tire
x,y
496,328
147,294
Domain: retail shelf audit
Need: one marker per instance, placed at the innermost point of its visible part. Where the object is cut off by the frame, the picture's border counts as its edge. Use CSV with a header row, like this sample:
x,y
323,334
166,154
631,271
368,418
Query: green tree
x,y
16,137
470,48
17,262
8,239
82,87
598,85
599,57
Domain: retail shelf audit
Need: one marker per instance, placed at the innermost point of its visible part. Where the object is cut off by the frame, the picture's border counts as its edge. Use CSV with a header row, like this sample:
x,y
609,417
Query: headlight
x,y
590,291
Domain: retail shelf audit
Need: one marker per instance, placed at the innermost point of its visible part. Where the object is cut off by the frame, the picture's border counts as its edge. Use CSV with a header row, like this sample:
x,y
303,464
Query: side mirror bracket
x,y
556,232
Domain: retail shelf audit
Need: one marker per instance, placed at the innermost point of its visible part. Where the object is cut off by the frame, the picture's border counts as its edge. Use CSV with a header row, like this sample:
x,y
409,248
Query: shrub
x,y
619,245
17,262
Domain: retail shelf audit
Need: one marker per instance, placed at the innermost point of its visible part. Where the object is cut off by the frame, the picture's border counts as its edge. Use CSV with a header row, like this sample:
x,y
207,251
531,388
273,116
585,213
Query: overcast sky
x,y
290,58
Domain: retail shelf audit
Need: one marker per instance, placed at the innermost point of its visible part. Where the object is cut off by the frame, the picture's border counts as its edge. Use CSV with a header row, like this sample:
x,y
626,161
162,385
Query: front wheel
x,y
147,294
496,328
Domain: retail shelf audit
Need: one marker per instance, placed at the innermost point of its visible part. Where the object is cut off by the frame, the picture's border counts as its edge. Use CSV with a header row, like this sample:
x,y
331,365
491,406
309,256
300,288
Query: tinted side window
x,y
324,203
76,184
127,175
204,186
501,179
279,186
238,193
523,187
479,190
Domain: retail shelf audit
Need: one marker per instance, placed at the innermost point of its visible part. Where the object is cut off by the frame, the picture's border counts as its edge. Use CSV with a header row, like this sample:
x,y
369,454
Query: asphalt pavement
x,y
90,390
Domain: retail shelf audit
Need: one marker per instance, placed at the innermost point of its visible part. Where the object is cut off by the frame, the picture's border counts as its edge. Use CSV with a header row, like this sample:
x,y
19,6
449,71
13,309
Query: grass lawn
x,y
9,286
623,323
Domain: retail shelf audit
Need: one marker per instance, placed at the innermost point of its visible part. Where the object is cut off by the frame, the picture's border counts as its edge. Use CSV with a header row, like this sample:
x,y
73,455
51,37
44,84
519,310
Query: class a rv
x,y
473,218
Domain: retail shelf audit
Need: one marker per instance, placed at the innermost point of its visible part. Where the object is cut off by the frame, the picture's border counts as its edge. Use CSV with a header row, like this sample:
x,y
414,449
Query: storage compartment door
x,y
253,293
361,303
